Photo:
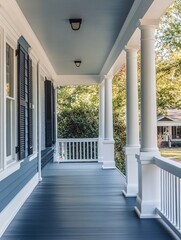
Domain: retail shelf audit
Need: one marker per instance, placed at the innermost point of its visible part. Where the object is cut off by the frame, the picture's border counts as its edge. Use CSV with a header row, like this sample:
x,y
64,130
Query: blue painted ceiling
x,y
102,21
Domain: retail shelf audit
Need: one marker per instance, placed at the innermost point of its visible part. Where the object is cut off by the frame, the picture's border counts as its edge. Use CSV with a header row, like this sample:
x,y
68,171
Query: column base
x,y
100,150
108,165
146,209
148,198
108,155
131,188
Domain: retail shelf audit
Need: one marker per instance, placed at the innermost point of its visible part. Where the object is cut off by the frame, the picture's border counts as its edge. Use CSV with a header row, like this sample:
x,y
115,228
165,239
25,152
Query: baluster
x,y
63,150
166,187
84,149
97,150
73,150
69,143
161,181
76,150
164,193
174,200
94,150
80,150
169,196
61,155
91,150
87,150
59,151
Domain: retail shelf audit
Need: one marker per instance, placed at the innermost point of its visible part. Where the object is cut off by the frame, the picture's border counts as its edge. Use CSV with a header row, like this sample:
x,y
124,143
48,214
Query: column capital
x,y
148,23
131,48
102,83
108,77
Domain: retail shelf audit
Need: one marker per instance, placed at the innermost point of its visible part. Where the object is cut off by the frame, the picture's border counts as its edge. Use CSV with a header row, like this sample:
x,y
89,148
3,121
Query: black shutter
x,y
54,116
48,113
25,121
30,108
21,103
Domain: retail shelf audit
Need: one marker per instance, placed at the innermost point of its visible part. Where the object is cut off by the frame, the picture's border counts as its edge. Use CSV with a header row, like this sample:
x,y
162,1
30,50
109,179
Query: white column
x,y
101,120
108,143
148,198
132,123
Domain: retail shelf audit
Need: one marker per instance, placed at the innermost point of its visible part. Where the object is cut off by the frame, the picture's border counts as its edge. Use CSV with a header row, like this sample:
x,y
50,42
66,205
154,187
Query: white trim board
x,y
7,215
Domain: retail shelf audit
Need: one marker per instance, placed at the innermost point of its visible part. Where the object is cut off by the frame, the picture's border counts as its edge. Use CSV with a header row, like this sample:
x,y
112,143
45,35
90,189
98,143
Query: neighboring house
x,y
169,127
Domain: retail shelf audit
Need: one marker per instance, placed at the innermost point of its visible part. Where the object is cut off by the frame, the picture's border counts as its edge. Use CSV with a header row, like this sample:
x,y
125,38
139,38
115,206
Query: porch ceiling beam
x,y
73,80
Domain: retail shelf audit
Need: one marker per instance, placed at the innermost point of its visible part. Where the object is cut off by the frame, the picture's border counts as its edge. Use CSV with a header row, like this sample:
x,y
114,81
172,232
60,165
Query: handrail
x,y
76,139
168,165
170,186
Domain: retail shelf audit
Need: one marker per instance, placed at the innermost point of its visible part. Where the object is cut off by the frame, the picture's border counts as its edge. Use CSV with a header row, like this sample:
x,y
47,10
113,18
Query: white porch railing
x,y
170,210
74,149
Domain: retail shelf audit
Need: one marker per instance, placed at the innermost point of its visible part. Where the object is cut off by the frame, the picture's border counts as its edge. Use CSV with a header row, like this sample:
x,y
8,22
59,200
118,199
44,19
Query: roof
x,y
171,115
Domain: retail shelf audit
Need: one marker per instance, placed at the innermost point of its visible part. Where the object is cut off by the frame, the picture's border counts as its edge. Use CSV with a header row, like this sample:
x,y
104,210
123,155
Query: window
x,y
179,132
10,104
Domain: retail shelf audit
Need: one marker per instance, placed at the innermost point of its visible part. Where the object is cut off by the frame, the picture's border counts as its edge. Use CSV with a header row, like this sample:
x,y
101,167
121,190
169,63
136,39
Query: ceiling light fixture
x,y
77,63
75,23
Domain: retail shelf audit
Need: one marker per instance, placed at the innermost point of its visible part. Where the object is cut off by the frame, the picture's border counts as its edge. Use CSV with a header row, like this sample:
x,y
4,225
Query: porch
x,y
81,201
38,52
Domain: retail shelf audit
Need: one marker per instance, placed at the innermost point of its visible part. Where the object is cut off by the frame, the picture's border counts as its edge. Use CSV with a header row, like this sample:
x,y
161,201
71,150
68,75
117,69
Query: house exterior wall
x,y
169,133
19,177
11,185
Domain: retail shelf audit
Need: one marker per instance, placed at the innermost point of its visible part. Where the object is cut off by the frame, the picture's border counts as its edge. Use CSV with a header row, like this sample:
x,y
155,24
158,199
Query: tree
x,y
168,63
169,32
78,112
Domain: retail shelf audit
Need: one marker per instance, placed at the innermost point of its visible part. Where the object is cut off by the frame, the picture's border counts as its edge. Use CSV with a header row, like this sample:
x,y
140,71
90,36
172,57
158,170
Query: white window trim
x,y
34,155
12,158
1,97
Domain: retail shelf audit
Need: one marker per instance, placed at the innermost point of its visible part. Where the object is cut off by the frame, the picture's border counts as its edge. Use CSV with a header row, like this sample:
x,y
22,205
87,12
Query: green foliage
x,y
77,115
78,122
169,59
119,112
169,32
82,96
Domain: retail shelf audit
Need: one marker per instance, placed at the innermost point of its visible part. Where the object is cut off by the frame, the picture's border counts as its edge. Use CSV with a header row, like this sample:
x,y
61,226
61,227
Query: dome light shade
x,y
75,23
77,63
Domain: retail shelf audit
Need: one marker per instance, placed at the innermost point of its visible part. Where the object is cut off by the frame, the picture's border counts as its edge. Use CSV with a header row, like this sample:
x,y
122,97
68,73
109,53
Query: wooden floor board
x,y
77,201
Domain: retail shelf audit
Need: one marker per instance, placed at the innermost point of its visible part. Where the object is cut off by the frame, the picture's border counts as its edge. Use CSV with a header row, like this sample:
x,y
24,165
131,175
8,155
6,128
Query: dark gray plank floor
x,y
81,202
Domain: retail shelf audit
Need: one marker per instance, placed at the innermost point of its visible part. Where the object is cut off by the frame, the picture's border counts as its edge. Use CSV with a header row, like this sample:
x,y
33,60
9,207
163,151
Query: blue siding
x,y
11,185
46,156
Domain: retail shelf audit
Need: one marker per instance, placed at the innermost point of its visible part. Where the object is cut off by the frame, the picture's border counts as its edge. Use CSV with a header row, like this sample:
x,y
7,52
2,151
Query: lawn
x,y
173,153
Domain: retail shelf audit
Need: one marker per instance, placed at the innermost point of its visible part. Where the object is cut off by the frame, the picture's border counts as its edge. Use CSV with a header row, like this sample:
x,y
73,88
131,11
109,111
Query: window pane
x,y
8,127
179,131
9,71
